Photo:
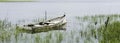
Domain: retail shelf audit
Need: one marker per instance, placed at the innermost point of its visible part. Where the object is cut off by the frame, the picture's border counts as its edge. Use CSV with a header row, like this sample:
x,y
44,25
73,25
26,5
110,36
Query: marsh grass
x,y
4,30
92,32
109,34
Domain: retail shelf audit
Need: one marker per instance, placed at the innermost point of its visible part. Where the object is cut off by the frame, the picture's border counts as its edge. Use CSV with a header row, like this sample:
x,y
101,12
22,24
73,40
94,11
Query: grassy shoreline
x,y
92,32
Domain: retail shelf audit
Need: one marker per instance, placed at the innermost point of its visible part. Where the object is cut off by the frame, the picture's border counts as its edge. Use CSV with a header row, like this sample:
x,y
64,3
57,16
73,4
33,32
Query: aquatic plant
x,y
5,33
111,33
89,34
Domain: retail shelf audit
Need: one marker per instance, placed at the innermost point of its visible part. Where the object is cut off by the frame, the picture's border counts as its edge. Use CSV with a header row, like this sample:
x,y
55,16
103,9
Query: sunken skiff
x,y
57,23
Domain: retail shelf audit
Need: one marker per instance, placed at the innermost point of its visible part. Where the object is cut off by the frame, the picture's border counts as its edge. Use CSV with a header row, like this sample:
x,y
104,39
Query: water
x,y
28,11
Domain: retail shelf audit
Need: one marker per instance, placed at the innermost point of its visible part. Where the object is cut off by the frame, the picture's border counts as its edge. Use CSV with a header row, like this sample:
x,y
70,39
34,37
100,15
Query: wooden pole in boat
x,y
45,15
64,13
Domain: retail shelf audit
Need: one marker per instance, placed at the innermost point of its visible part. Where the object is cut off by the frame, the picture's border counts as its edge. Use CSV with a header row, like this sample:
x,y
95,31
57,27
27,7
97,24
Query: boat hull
x,y
42,29
55,24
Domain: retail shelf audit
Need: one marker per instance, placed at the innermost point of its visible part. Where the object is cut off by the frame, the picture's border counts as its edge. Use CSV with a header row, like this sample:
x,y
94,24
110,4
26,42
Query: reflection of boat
x,y
52,24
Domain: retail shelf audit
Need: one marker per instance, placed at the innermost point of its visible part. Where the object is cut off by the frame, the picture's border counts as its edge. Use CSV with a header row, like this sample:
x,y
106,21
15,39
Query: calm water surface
x,y
28,11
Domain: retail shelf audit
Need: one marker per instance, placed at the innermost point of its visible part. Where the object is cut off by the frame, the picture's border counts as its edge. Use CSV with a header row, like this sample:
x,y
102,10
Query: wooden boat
x,y
52,24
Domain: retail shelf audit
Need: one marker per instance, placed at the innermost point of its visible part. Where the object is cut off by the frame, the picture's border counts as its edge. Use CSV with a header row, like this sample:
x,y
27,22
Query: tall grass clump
x,y
5,30
111,33
97,30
